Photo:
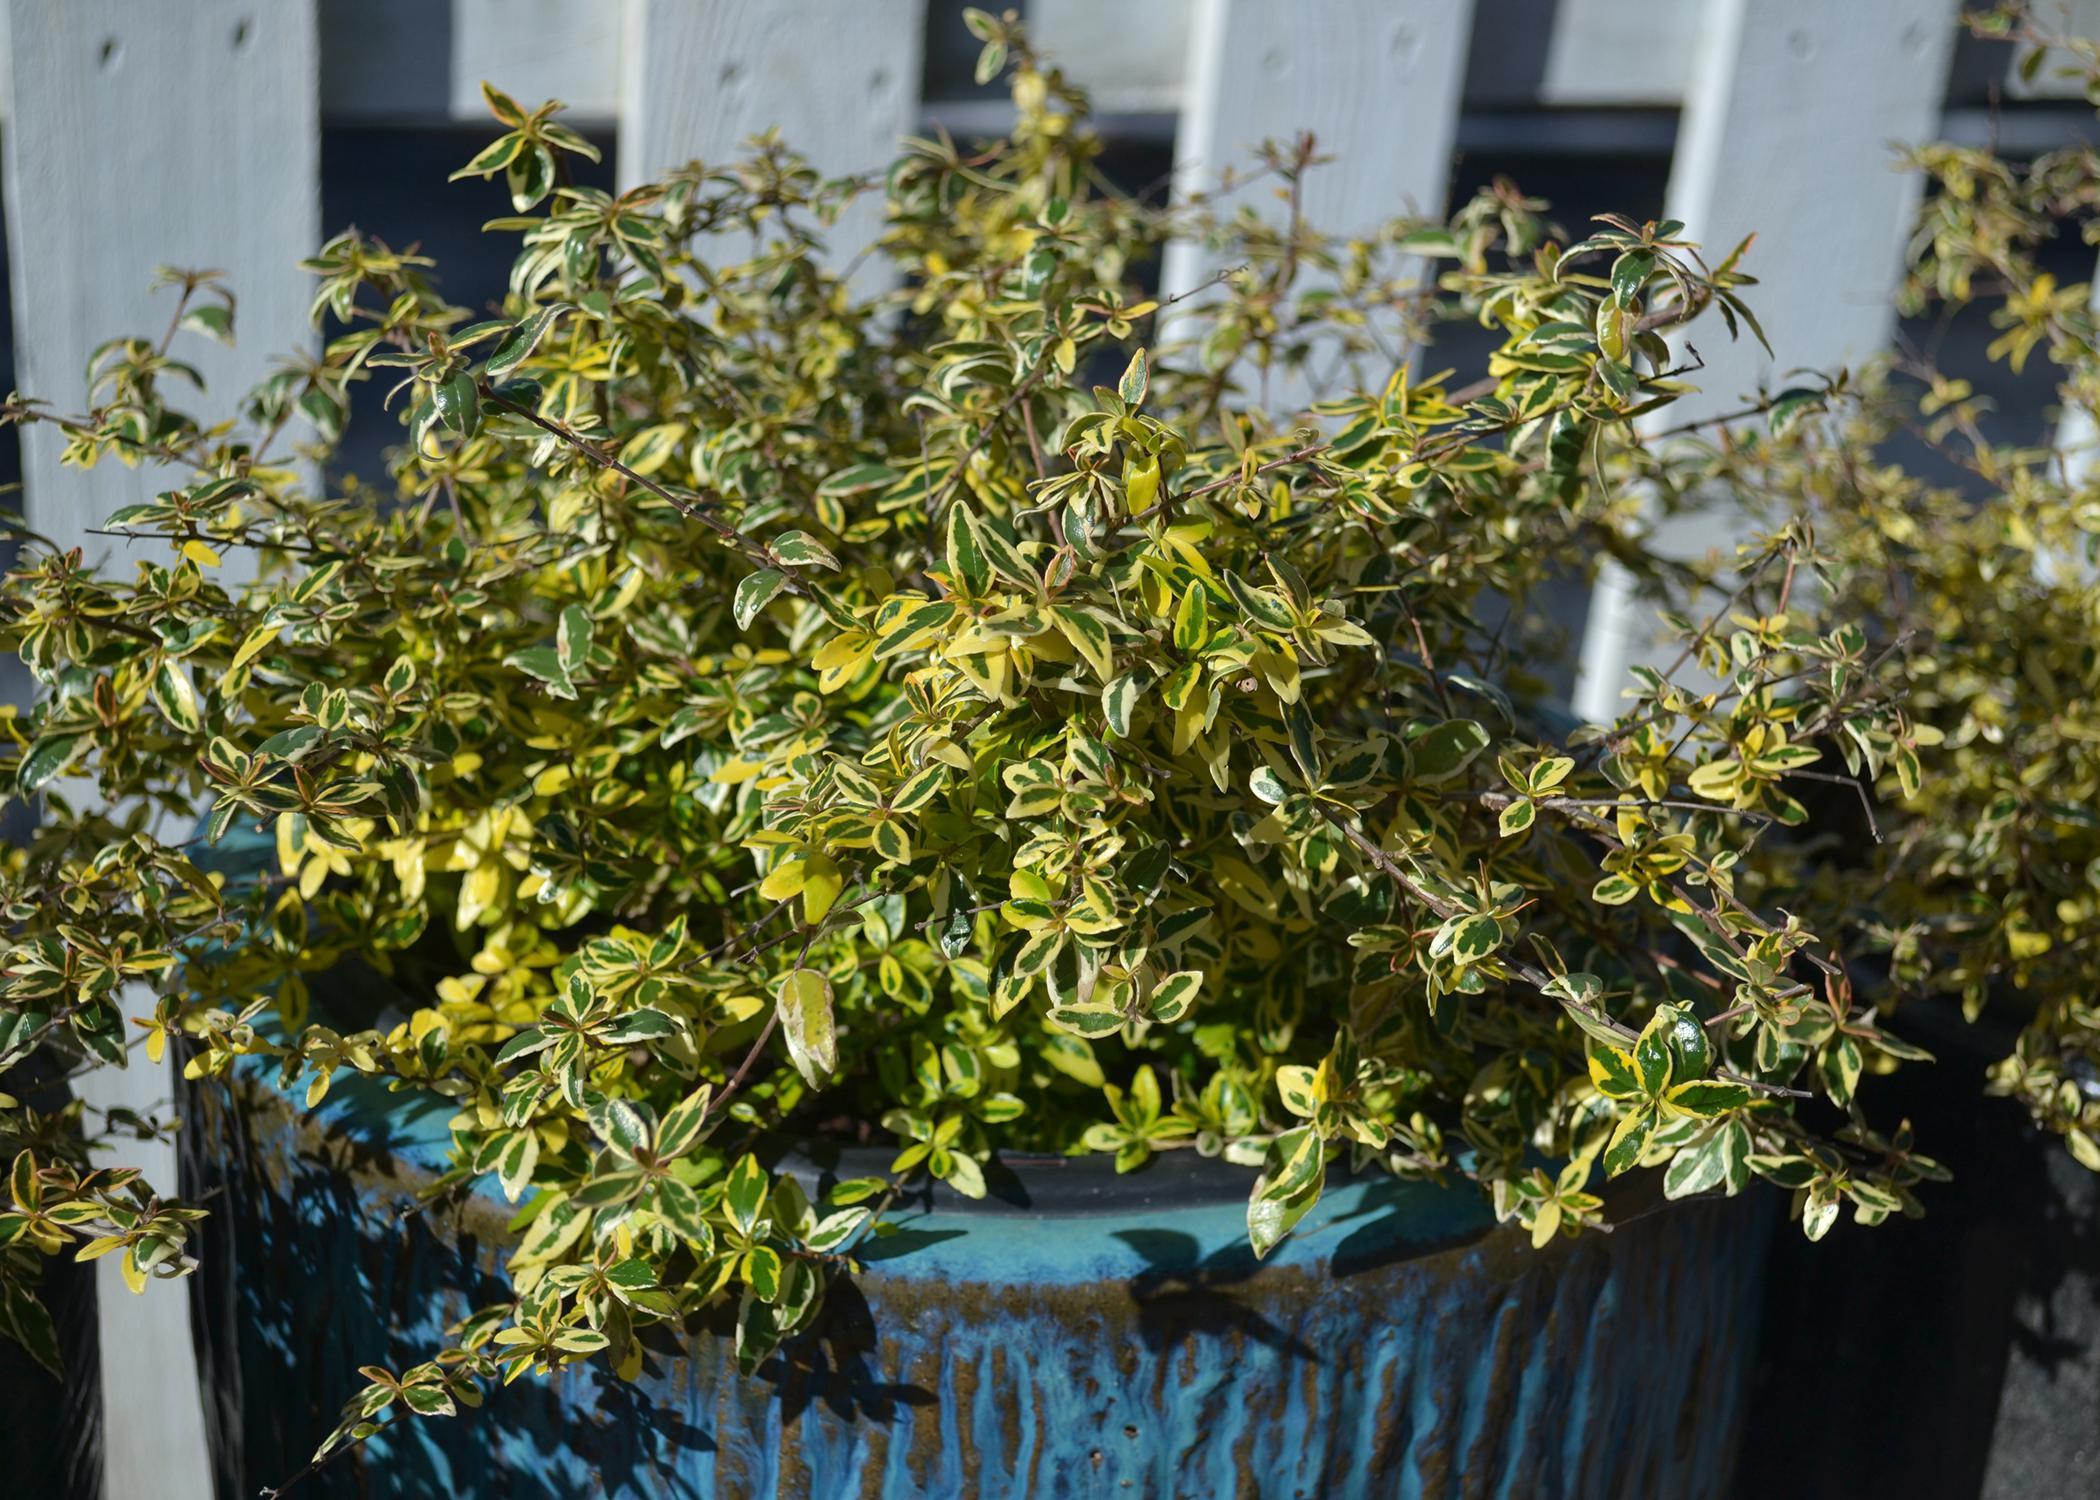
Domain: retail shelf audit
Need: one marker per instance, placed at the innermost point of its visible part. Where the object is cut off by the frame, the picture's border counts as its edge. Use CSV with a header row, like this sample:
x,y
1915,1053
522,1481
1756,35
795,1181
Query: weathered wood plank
x,y
1614,52
840,81
1130,58
1377,82
2059,77
411,62
1791,121
148,135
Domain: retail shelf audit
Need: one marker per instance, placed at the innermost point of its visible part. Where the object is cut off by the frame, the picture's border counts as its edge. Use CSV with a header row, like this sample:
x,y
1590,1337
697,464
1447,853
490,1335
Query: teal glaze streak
x,y
1396,1346
1392,1347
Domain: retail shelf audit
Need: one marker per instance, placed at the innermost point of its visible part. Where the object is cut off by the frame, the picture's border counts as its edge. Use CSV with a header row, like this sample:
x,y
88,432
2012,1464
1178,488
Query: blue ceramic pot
x,y
1088,1336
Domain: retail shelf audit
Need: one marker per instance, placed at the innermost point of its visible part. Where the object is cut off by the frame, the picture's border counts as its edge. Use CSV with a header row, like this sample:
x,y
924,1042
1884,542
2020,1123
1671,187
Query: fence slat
x,y
1611,52
417,62
1377,82
2059,77
841,82
1130,57
1791,119
148,135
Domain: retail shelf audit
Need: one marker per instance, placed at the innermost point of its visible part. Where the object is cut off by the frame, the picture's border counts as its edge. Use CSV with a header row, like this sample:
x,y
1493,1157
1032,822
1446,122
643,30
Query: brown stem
x,y
753,551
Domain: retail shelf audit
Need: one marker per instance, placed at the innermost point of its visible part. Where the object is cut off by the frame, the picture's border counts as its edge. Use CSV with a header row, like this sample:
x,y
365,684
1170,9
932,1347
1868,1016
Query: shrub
x,y
986,716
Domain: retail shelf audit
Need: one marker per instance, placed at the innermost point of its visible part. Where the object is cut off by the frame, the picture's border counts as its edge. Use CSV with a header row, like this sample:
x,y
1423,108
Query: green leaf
x,y
1697,1169
1296,1086
1614,890
762,1272
964,1175
1441,753
1091,1022
516,346
621,1125
1173,995
428,1400
744,1193
1517,817
1691,1052
892,842
1623,1153
798,549
458,404
909,629
1612,1070
1652,1060
685,1124
529,1040
1260,605
1001,551
212,319
755,592
572,638
492,158
47,758
1708,1096
1293,1172
856,478
806,1022
291,745
1790,1172
1476,937
1790,406
1266,784
1192,619
1088,635
1819,1213
543,663
645,1025
1717,780
919,788
176,700
1119,698
514,1166
967,563
1629,272
1841,1065
835,1229
1135,379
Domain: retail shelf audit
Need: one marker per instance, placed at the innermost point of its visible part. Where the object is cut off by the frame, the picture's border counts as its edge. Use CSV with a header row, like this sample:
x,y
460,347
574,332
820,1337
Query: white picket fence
x,y
187,132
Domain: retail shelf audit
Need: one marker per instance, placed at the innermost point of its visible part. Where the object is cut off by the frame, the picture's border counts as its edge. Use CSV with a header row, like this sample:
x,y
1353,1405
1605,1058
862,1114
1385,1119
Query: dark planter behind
x,y
1112,1337
1953,1357
53,1427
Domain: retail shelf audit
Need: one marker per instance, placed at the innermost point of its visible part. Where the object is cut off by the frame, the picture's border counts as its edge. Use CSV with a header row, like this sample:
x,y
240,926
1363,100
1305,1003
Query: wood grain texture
x,y
1621,52
1791,130
147,136
1792,121
2060,76
1377,82
840,81
409,62
141,136
1129,58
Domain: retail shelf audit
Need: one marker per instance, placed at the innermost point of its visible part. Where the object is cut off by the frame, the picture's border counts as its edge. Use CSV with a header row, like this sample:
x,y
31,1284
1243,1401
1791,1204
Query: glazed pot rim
x,y
411,1126
1018,1184
1024,1183
1028,1184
